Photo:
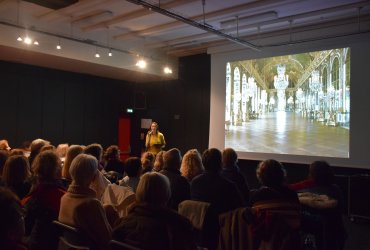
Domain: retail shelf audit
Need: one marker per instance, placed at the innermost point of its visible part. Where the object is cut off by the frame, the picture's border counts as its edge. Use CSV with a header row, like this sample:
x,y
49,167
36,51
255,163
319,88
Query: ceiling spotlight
x,y
35,42
141,64
27,40
19,39
59,47
97,55
110,52
167,70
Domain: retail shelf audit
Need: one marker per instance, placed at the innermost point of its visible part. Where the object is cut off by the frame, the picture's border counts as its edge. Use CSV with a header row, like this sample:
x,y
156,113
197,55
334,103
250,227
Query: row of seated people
x,y
148,219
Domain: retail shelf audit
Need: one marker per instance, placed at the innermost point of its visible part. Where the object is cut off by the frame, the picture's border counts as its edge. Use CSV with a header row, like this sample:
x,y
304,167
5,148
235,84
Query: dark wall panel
x,y
53,111
74,123
9,103
30,109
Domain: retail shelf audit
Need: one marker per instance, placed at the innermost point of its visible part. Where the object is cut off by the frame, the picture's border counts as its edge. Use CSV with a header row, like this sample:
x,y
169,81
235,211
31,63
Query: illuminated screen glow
x,y
294,104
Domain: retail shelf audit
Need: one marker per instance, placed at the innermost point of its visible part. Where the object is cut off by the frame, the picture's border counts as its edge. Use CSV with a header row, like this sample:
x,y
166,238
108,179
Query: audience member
x,y
222,194
3,157
4,145
12,221
72,152
35,148
323,202
133,171
80,207
113,163
16,151
180,187
231,171
158,162
99,183
191,165
61,151
277,219
42,204
147,162
150,224
16,175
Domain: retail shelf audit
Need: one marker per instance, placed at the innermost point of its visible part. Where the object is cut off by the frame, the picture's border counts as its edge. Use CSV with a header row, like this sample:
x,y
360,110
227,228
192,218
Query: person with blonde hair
x,y
80,207
149,223
158,162
147,162
191,165
72,152
154,141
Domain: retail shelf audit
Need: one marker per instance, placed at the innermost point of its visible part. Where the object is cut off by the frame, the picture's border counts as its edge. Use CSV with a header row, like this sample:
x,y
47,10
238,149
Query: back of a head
x,y
132,166
62,150
35,147
72,152
172,159
321,173
3,157
83,169
191,164
158,162
16,170
111,153
95,150
212,160
229,157
4,145
153,189
271,173
12,225
47,166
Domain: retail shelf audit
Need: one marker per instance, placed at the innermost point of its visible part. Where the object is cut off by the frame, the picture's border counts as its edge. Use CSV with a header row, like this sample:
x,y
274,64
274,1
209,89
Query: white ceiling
x,y
134,32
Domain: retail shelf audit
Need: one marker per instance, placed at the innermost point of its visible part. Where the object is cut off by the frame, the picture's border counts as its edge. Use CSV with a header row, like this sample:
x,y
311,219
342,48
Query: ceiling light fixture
x,y
141,64
97,55
58,45
110,53
27,40
167,70
35,42
194,24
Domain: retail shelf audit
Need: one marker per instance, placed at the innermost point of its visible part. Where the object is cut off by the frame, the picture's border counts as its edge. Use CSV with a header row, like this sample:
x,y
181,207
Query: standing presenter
x,y
154,141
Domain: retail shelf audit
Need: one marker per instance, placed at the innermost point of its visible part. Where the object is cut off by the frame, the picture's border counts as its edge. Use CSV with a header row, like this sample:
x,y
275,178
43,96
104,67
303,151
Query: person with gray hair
x,y
79,206
180,187
150,224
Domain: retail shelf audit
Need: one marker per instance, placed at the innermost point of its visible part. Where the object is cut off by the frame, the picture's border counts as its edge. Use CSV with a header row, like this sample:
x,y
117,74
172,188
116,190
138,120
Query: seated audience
x,y
158,162
80,207
147,162
12,222
133,171
222,194
113,163
277,218
72,152
180,187
322,201
4,145
16,151
150,224
191,165
42,204
16,175
61,151
99,183
230,170
35,148
3,157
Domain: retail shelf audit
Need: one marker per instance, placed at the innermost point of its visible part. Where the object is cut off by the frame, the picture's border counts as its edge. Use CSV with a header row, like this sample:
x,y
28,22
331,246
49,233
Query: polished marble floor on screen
x,y
289,133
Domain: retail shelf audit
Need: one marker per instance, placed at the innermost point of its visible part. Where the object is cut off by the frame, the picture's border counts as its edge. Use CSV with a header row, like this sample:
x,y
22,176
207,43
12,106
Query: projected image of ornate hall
x,y
294,104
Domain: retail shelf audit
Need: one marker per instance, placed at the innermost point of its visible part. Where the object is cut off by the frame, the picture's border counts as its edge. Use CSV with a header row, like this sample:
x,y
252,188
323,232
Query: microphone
x,y
150,132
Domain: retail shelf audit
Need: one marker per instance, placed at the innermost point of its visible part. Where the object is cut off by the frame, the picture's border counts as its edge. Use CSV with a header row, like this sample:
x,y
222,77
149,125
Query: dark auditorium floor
x,y
358,234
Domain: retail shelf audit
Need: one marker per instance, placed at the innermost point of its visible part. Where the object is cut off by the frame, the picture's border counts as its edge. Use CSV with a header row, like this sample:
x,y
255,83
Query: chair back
x,y
71,237
119,245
